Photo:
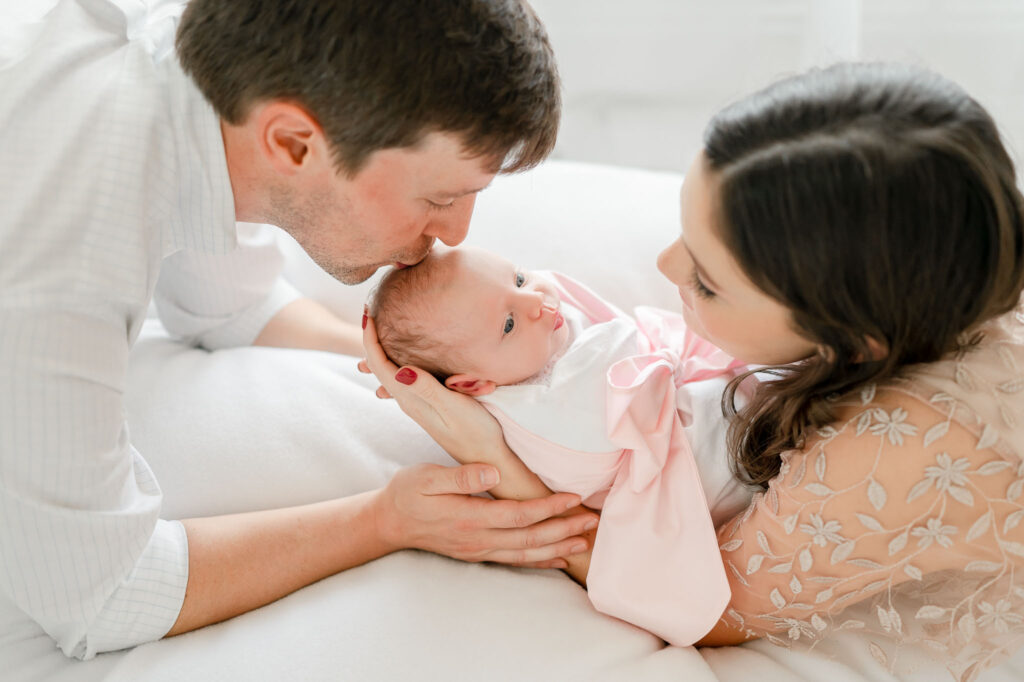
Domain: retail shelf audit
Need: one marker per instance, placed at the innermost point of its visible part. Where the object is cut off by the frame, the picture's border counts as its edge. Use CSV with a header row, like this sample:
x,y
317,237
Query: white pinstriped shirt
x,y
112,172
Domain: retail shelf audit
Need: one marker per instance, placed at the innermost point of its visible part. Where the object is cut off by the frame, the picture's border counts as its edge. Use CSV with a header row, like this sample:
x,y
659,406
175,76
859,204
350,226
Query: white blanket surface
x,y
258,428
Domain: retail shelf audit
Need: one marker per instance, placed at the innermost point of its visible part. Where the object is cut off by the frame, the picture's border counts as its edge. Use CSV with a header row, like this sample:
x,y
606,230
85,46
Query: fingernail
x,y
364,320
571,503
590,525
578,547
488,476
405,376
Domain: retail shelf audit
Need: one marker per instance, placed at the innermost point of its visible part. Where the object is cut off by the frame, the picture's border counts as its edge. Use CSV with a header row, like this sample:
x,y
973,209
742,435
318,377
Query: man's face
x,y
504,321
390,212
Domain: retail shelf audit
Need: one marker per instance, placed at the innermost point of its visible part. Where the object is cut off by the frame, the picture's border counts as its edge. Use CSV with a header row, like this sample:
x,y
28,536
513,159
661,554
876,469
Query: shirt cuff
x,y
147,603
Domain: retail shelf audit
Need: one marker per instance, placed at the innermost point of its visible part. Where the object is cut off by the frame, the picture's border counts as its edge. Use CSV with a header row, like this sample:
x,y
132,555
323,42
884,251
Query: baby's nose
x,y
540,304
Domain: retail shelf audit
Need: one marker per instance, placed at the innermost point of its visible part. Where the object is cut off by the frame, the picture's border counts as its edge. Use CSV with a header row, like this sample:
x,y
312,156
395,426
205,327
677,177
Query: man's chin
x,y
353,276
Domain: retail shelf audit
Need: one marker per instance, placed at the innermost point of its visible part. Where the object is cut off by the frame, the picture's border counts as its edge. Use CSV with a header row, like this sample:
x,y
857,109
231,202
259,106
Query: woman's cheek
x,y
695,322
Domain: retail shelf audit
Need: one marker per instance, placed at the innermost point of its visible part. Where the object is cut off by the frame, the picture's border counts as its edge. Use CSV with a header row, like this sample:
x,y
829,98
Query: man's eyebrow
x,y
701,271
456,195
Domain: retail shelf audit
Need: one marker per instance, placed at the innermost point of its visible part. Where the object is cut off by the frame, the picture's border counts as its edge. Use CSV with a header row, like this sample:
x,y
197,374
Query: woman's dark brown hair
x,y
877,203
378,74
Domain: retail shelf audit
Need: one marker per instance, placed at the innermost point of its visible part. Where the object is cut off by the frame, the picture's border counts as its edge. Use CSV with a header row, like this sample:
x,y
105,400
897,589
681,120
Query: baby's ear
x,y
470,385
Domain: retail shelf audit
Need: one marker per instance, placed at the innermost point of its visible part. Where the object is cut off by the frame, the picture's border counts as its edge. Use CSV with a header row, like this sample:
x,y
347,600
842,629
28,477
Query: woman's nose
x,y
669,262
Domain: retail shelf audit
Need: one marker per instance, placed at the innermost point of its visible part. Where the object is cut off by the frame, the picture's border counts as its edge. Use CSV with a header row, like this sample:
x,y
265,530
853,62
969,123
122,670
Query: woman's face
x,y
719,302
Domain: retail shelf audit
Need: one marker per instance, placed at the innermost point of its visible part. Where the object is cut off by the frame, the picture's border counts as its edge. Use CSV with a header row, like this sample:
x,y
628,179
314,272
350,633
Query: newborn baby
x,y
624,412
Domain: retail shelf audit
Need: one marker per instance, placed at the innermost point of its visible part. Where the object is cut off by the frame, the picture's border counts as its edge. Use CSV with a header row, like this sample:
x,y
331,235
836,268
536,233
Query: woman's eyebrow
x,y
701,271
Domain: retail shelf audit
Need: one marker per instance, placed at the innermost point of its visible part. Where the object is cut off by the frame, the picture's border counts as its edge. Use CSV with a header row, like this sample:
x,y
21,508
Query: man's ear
x,y
289,137
469,385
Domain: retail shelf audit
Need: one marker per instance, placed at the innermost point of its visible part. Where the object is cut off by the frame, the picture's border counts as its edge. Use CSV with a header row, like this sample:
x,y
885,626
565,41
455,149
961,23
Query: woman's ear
x,y
469,385
878,349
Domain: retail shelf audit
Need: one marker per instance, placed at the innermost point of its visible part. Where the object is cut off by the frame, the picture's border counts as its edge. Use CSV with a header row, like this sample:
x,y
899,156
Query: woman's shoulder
x,y
963,411
980,389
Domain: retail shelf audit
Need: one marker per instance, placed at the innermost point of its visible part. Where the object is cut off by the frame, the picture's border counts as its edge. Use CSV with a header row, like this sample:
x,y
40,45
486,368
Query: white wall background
x,y
642,77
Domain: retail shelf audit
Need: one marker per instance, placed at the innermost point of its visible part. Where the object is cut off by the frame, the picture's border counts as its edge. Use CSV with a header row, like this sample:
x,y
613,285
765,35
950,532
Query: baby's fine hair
x,y
399,304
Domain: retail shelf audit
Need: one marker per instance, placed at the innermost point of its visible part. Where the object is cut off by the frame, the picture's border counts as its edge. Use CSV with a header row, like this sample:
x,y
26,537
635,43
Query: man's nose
x,y
450,232
453,227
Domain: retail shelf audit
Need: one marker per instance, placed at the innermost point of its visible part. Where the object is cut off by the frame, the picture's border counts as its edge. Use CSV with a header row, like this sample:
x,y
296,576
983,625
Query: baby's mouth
x,y
559,320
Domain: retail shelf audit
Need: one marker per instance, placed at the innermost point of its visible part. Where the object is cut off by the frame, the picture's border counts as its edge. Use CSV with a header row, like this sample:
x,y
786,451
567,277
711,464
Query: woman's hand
x,y
457,422
431,507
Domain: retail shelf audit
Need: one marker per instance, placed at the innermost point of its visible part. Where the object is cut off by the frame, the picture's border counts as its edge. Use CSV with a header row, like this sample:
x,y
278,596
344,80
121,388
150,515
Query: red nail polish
x,y
405,376
364,320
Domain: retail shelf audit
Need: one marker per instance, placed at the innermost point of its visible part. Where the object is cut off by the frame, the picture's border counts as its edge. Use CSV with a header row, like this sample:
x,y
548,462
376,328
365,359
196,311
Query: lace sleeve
x,y
898,508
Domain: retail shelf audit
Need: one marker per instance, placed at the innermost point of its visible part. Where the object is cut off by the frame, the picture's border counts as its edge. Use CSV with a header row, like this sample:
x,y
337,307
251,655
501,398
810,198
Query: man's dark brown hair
x,y
377,74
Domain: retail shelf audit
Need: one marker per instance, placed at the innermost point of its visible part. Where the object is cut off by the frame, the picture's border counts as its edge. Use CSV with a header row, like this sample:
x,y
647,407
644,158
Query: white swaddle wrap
x,y
629,418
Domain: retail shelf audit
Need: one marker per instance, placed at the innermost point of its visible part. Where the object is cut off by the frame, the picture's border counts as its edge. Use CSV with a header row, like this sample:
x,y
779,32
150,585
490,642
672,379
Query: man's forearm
x,y
304,323
242,561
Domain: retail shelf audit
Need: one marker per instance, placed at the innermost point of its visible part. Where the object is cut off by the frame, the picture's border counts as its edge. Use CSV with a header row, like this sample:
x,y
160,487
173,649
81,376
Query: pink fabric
x,y
656,561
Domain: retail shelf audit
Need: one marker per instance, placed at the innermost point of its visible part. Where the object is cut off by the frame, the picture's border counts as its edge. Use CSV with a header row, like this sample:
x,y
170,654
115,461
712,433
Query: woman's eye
x,y
520,279
510,324
699,287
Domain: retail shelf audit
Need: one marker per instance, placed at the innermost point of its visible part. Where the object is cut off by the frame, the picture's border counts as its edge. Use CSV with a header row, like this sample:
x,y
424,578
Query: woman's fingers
x,y
467,479
376,359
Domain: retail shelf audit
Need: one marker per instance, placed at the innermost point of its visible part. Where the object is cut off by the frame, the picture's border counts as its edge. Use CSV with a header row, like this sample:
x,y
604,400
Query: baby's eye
x,y
520,279
510,324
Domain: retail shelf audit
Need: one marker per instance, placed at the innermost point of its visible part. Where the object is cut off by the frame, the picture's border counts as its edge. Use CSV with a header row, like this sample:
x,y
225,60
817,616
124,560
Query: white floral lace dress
x,y
909,506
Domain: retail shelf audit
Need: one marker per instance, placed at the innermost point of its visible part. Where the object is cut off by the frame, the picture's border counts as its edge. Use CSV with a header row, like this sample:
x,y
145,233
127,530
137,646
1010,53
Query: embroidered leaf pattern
x,y
860,529
869,522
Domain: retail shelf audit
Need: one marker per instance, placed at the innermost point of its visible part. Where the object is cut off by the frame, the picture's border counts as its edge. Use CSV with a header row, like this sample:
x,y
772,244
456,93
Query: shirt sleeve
x,y
82,549
224,300
896,493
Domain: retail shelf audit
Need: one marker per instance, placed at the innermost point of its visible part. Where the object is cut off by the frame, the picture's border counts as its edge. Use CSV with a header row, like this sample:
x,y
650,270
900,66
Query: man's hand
x,y
430,507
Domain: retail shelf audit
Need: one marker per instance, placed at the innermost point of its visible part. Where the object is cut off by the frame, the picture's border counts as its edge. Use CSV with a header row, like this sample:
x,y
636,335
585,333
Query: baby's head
x,y
470,318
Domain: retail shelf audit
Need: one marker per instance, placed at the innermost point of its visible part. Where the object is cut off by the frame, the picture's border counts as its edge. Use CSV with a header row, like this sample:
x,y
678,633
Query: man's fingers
x,y
553,563
382,392
550,532
530,555
363,367
516,514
